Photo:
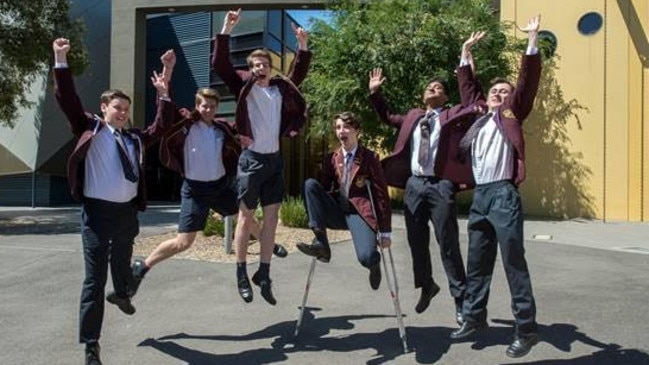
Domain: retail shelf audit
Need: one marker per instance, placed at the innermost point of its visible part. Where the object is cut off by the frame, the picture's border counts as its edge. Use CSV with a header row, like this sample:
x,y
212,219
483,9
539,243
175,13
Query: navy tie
x,y
127,165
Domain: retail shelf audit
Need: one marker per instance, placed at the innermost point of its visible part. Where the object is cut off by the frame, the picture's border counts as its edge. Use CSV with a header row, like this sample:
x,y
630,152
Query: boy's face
x,y
434,95
497,94
116,112
207,109
347,135
261,67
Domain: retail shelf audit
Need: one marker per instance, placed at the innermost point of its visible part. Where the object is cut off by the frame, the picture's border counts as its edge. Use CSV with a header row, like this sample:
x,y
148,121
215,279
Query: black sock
x,y
321,236
264,270
242,269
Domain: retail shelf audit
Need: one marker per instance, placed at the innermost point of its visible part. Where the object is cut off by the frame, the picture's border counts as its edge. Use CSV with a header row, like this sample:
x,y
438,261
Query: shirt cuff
x,y
463,62
165,98
531,50
60,65
385,235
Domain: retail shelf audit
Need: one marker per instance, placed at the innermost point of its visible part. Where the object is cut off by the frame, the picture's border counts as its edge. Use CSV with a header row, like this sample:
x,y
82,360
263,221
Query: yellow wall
x,y
585,139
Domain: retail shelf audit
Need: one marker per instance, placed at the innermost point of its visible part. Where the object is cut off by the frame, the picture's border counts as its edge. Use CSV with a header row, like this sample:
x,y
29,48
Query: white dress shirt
x,y
265,113
103,176
203,153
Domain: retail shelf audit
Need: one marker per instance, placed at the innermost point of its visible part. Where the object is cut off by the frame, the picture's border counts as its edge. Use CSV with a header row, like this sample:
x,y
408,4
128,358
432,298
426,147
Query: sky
x,y
304,16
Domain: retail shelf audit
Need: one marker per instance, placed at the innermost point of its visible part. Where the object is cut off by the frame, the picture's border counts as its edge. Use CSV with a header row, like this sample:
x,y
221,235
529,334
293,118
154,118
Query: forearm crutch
x,y
306,295
393,293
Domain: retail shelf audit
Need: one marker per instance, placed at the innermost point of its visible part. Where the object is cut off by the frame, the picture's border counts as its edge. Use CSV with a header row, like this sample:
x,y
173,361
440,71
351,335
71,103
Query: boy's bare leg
x,y
241,238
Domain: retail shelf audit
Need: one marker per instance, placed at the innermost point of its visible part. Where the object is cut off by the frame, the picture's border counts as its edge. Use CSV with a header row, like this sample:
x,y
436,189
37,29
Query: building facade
x,y
588,137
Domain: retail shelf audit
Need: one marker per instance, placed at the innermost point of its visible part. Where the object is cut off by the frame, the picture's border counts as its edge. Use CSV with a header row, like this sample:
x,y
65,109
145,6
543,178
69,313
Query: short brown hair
x,y
259,53
207,93
349,119
110,94
501,80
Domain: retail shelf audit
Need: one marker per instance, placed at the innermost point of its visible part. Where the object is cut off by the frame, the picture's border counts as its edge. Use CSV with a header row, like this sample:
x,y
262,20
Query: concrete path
x,y
591,282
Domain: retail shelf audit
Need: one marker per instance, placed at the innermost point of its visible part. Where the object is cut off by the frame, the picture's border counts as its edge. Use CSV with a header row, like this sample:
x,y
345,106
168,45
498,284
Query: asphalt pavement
x,y
590,279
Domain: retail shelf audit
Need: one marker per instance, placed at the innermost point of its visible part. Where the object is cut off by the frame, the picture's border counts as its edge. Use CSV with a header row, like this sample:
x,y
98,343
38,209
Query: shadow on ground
x,y
429,344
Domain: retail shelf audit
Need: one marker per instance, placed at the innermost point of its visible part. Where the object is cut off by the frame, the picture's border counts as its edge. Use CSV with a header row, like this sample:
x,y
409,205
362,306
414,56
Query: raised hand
x,y
532,25
301,35
61,46
168,59
376,79
231,19
472,40
160,83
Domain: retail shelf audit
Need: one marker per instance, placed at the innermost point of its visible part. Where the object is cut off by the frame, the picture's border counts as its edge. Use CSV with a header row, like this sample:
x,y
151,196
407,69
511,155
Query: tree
x,y
412,40
27,29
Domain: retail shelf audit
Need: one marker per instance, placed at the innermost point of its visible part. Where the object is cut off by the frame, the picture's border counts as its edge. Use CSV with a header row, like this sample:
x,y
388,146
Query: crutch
x,y
306,295
393,293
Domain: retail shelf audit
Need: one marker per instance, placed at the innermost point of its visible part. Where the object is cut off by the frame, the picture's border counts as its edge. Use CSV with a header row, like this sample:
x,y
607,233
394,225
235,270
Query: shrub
x,y
293,214
215,225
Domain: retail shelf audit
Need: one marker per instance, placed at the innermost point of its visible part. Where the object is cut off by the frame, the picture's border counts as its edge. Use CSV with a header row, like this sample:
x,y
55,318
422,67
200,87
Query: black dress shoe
x,y
375,276
245,290
426,295
139,269
522,346
265,285
92,354
124,304
459,318
467,329
279,250
316,249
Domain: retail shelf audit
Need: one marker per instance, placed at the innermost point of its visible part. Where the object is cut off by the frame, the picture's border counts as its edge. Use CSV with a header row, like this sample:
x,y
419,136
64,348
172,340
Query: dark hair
x,y
110,94
442,81
349,119
501,80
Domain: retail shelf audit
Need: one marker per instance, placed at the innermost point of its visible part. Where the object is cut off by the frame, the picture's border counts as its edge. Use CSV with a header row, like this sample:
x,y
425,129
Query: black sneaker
x,y
265,286
139,269
124,304
92,354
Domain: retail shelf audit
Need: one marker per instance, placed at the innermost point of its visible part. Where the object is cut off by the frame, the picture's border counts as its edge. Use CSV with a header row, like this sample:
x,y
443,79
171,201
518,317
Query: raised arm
x,y
221,58
530,74
470,89
64,90
379,103
300,66
164,114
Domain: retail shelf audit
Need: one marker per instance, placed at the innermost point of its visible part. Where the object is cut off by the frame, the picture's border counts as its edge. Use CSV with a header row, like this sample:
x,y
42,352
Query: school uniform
x,y
205,155
263,114
106,175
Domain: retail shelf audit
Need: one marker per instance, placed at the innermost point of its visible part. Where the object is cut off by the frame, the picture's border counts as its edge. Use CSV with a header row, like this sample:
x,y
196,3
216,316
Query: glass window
x,y
274,44
275,23
590,23
548,42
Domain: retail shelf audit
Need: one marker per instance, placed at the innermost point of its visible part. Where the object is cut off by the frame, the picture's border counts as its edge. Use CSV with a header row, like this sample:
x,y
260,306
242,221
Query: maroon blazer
x,y
454,123
515,108
172,146
365,166
240,82
84,127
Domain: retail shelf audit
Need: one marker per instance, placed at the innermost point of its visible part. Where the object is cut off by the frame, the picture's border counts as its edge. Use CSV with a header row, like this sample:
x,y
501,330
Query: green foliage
x,y
215,226
412,40
293,214
28,29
